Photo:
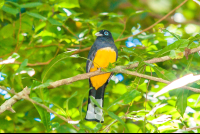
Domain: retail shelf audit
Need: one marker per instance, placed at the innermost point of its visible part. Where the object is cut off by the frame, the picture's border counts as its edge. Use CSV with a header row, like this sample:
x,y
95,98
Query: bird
x,y
102,52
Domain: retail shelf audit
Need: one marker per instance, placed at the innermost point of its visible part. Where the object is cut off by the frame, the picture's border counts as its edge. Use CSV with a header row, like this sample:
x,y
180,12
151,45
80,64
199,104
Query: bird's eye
x,y
106,33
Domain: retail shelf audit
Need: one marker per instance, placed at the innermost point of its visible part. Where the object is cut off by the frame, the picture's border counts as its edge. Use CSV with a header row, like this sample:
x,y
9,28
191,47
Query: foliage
x,y
38,38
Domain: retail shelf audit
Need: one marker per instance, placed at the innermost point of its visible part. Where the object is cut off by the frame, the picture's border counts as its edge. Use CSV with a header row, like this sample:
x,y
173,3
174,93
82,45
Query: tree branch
x,y
160,59
24,94
190,129
7,105
148,28
154,79
121,69
117,69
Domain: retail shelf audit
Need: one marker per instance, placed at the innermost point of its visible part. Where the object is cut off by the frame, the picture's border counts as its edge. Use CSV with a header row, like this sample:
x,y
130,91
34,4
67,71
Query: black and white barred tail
x,y
94,113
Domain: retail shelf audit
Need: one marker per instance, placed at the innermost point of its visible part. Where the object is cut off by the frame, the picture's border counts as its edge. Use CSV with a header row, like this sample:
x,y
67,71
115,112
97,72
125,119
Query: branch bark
x,y
24,94
121,69
7,105
190,129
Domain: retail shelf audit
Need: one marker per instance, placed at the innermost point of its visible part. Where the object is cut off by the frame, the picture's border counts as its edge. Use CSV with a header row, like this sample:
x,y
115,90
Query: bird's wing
x,y
90,58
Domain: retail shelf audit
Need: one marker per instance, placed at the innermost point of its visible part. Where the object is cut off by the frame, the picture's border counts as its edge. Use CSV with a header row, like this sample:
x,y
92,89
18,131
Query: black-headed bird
x,y
102,52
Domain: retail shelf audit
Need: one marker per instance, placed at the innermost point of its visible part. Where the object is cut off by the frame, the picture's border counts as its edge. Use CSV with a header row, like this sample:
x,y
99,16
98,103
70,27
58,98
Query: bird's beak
x,y
98,34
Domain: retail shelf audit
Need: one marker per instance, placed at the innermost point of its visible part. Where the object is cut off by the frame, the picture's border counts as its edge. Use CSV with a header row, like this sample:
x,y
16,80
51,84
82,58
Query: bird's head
x,y
104,34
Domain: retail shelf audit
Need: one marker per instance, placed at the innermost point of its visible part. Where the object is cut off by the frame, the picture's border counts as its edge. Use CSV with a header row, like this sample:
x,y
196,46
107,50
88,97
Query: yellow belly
x,y
102,59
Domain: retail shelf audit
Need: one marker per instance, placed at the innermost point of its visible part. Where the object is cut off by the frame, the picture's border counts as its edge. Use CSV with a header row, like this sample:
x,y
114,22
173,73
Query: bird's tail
x,y
94,113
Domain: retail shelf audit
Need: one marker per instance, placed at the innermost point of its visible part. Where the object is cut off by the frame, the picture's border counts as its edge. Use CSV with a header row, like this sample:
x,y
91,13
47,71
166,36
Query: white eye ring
x,y
106,33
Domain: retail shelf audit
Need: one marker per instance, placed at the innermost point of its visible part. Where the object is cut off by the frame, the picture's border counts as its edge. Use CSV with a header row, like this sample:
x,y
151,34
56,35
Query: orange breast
x,y
102,59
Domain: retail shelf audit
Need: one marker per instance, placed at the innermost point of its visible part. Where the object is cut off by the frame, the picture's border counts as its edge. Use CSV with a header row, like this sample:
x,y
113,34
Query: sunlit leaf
x,y
10,10
177,44
126,97
176,54
54,61
181,102
98,127
54,22
164,74
94,101
173,34
114,116
1,3
43,95
36,15
162,119
178,83
68,4
22,66
30,5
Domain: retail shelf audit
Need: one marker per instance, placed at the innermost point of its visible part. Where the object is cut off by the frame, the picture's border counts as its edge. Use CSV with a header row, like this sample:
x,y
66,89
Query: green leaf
x,y
146,36
66,128
37,99
42,95
128,50
22,66
164,74
67,102
173,34
15,55
111,15
55,61
140,69
13,3
114,116
124,56
44,85
1,3
94,101
10,10
177,44
68,4
30,5
36,15
6,28
119,89
195,38
54,22
81,106
176,54
55,125
98,127
137,13
131,95
62,18
133,128
107,23
181,102
127,97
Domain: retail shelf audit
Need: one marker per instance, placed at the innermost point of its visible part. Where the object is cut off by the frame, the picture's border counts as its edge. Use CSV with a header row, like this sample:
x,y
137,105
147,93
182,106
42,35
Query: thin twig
x,y
146,102
161,59
20,25
70,31
148,28
123,29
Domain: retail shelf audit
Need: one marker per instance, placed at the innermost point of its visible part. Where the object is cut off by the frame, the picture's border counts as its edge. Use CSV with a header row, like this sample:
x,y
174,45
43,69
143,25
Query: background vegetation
x,y
43,41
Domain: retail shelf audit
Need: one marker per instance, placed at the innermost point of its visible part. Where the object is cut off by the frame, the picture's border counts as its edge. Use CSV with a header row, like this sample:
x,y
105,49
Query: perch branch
x,y
117,69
